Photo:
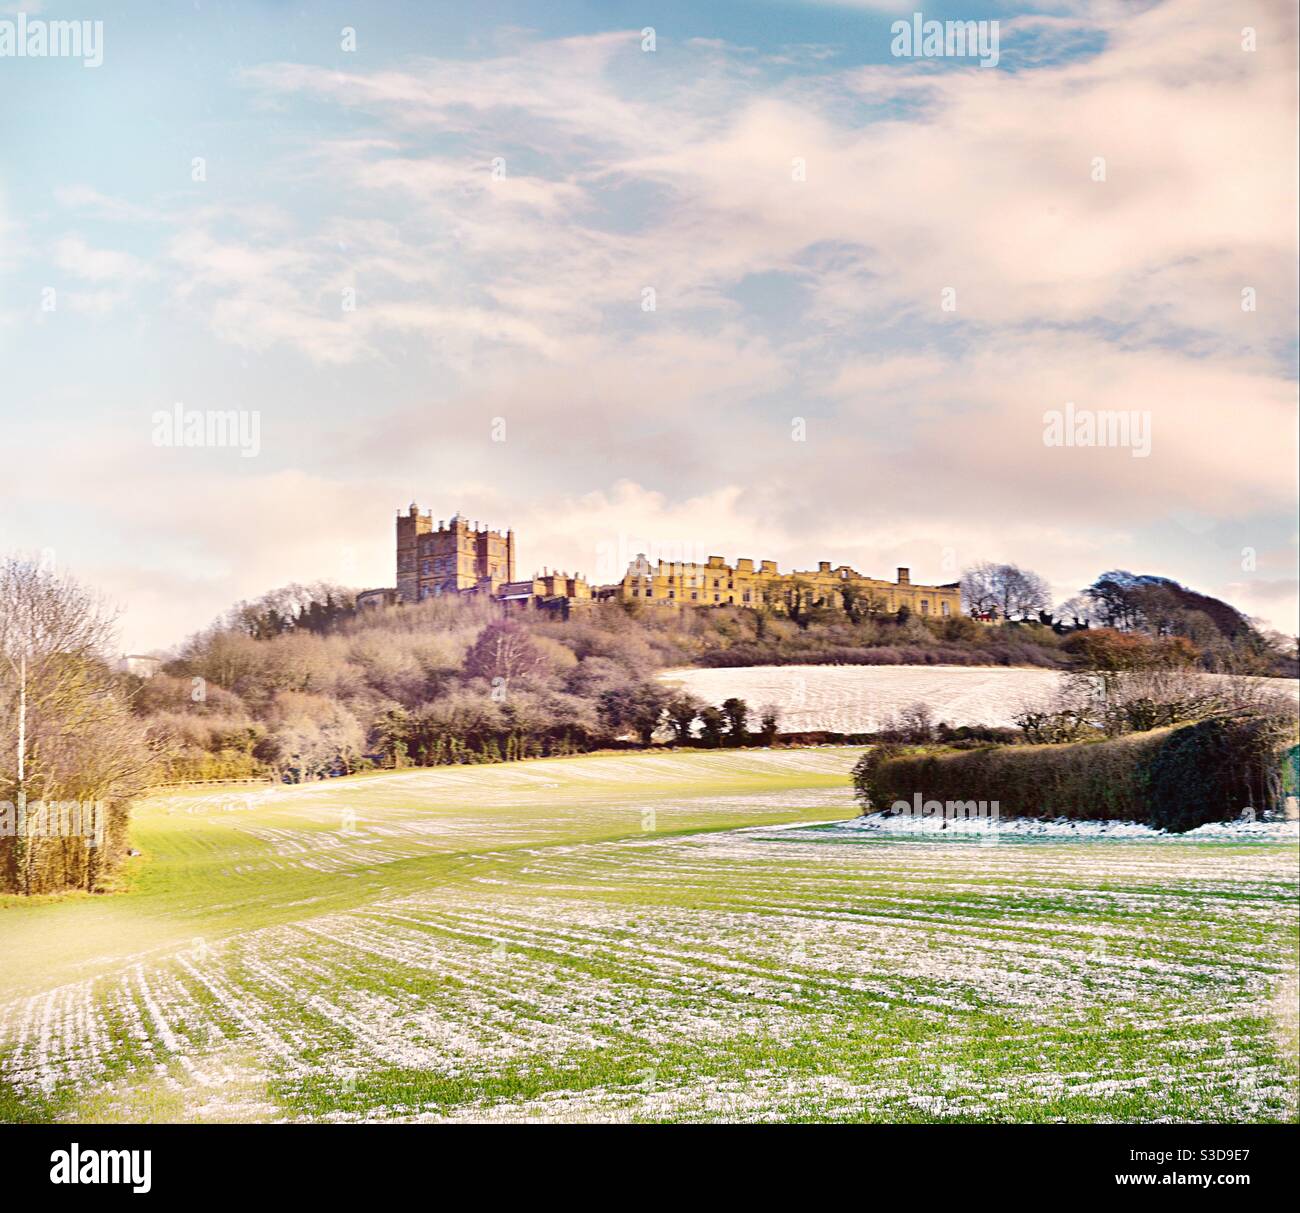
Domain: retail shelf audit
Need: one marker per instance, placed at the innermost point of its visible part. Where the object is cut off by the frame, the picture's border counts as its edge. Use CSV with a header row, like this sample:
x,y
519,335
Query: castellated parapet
x,y
453,558
459,557
716,583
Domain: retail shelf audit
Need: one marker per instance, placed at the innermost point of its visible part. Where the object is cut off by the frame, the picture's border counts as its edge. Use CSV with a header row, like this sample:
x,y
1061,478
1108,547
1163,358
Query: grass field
x,y
609,937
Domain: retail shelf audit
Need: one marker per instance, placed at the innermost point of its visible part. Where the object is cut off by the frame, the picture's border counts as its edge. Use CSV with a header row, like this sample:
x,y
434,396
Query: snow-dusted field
x,y
669,937
860,698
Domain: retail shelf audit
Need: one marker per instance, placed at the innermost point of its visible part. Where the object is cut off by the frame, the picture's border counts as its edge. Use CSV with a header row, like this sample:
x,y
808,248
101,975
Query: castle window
x,y
746,596
925,606
944,609
672,593
717,597
716,583
695,596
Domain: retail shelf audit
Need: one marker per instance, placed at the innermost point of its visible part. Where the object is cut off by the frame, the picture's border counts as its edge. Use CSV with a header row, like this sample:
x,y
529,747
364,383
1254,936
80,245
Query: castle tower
x,y
453,558
410,526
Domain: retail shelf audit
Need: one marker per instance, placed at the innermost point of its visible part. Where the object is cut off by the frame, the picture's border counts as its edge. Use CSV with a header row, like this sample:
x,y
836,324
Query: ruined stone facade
x,y
717,583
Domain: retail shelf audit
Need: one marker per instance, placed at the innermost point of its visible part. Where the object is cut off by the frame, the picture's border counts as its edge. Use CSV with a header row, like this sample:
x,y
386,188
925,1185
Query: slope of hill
x,y
593,938
856,699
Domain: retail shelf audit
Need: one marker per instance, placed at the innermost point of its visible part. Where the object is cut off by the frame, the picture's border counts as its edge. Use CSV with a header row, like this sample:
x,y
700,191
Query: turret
x,y
410,526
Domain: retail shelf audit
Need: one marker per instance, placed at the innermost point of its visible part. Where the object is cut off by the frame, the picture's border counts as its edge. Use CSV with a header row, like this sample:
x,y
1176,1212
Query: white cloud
x,y
480,296
75,257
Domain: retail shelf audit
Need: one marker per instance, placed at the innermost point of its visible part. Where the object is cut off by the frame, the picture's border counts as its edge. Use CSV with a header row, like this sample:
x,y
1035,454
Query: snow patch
x,y
1064,827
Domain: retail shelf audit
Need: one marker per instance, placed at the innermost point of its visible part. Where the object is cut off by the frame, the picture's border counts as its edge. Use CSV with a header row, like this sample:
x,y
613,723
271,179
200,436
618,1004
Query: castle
x,y
457,557
717,583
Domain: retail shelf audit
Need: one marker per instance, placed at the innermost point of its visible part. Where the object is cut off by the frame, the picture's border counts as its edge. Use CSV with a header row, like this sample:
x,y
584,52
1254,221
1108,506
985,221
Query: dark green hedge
x,y
1173,779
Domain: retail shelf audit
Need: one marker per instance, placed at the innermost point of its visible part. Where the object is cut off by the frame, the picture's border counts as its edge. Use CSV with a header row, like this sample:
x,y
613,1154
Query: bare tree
x,y
979,588
65,732
916,722
1110,702
1077,610
504,651
1005,588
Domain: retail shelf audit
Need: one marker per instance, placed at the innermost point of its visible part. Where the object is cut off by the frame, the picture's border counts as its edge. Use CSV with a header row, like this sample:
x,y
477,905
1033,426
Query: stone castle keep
x,y
460,558
457,557
452,559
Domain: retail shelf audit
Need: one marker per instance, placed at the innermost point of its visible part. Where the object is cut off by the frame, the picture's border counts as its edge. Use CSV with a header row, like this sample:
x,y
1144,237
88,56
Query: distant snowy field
x,y
859,698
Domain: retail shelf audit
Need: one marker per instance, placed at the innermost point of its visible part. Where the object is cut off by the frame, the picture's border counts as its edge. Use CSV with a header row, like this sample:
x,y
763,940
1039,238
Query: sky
x,y
684,278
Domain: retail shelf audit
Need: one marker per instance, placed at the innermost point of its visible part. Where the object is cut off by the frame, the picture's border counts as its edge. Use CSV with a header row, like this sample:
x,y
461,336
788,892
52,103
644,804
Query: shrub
x,y
1214,769
1173,779
1008,653
867,786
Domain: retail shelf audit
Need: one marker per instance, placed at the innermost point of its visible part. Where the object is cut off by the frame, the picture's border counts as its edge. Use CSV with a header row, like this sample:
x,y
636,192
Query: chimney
x,y
904,577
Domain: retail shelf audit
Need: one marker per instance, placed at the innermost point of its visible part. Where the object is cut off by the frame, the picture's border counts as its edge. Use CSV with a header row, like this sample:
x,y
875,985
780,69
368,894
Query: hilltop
x,y
304,683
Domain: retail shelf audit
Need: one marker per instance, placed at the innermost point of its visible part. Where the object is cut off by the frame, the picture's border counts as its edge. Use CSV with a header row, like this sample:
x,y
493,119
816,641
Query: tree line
x,y
300,684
